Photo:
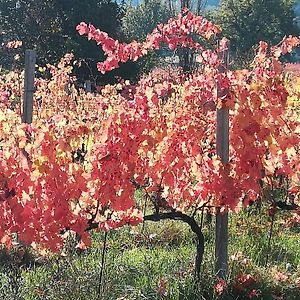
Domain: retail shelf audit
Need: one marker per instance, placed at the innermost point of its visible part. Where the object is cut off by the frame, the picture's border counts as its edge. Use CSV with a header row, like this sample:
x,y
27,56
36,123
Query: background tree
x,y
37,24
246,22
106,14
49,28
139,21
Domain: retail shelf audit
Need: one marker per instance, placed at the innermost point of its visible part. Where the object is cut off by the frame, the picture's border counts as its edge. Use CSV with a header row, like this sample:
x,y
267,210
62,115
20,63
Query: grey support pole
x,y
221,234
30,59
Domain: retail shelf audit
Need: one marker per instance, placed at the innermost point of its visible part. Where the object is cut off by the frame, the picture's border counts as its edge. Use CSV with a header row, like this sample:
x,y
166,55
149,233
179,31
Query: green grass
x,y
156,262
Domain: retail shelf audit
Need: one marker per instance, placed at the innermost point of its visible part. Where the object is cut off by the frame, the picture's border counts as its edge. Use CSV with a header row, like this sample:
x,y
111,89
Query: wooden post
x,y
30,59
221,233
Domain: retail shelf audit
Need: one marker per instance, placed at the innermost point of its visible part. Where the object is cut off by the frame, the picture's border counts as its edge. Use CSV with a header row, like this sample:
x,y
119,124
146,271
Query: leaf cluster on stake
x,y
158,135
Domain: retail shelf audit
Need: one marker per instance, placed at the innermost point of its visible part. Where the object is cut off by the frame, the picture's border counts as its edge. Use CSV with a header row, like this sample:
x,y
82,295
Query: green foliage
x,y
246,22
140,20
